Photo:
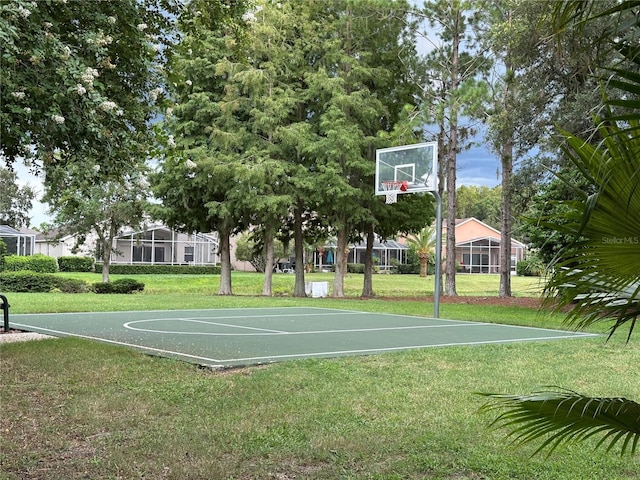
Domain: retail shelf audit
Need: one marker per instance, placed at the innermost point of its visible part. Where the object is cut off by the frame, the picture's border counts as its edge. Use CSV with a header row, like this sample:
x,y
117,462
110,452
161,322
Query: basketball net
x,y
391,188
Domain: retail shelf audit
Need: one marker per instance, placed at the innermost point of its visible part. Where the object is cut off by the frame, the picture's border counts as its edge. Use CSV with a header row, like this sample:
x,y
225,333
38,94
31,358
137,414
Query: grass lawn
x,y
72,408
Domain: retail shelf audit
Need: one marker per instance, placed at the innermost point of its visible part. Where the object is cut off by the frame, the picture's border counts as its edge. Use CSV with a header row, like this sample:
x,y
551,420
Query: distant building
x,y
18,242
154,245
478,247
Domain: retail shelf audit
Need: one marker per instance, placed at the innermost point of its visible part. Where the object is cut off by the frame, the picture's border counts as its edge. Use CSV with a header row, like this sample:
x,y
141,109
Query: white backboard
x,y
407,169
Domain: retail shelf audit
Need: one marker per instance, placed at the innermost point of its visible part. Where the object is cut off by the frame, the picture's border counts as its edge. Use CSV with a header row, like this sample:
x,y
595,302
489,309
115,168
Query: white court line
x,y
193,320
125,344
267,332
304,355
411,347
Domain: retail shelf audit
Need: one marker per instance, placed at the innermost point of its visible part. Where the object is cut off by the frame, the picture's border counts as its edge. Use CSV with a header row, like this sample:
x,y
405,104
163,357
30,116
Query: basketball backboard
x,y
407,169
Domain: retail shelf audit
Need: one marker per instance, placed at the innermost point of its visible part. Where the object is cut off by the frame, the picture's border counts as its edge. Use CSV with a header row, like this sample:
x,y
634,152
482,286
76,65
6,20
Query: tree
x,y
76,82
79,90
359,89
198,168
15,201
424,244
596,275
455,65
87,201
480,202
252,251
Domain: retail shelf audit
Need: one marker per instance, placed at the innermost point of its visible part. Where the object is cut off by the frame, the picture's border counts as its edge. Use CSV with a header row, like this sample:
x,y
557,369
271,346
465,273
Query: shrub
x,y
409,268
160,269
35,263
122,285
75,264
33,282
3,253
355,267
529,267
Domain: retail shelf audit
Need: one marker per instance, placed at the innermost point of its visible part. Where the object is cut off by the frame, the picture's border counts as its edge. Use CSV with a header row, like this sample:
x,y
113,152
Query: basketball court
x,y
250,336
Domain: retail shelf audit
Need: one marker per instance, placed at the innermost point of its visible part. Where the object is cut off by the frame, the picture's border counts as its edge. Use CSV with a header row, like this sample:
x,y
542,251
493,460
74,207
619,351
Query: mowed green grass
x,y
72,408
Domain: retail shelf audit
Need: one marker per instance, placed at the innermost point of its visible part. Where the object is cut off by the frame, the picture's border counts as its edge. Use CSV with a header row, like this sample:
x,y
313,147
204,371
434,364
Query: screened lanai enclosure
x,y
161,245
386,254
17,242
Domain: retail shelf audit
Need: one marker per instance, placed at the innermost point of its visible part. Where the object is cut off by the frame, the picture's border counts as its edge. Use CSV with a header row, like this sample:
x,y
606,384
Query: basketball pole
x,y
438,280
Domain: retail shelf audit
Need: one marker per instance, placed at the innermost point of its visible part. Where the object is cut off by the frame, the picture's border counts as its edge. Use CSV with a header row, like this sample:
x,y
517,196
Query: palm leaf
x,y
560,416
598,274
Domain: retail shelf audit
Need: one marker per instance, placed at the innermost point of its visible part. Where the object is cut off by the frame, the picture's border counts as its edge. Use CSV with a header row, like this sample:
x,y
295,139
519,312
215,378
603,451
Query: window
x,y
142,254
188,254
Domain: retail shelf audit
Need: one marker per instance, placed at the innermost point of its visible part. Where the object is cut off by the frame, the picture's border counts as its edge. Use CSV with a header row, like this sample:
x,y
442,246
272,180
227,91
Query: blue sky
x,y
477,166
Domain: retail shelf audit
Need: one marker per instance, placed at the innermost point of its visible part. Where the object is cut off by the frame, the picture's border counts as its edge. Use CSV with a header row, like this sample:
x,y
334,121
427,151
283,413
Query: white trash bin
x,y
316,289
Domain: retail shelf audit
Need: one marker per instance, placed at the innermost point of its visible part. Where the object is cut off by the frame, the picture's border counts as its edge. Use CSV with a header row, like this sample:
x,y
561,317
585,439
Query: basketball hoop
x,y
391,187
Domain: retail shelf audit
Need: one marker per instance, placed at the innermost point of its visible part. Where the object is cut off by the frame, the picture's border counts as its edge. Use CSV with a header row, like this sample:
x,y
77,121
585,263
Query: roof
x,y
8,231
489,238
377,244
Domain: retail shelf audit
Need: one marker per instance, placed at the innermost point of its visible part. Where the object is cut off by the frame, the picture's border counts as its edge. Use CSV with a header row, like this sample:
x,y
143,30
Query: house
x,y
156,244
18,242
56,243
386,254
478,247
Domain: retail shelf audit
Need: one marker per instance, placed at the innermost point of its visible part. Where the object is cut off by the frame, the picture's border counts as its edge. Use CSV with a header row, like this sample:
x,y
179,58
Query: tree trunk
x,y
450,280
424,261
367,287
225,262
505,229
269,260
298,238
106,260
107,247
341,263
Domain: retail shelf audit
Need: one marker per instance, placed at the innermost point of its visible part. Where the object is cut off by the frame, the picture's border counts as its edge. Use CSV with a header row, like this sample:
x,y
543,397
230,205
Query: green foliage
x,y
355,267
529,267
161,269
31,282
595,277
75,80
15,201
3,254
76,264
480,202
36,263
410,268
558,417
122,285
248,250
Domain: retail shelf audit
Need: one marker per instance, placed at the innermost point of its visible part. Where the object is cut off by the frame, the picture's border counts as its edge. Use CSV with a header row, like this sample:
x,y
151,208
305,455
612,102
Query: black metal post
x,y
5,306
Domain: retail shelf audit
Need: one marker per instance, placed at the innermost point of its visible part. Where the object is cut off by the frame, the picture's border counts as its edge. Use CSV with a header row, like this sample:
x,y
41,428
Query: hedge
x,y
409,268
33,282
529,268
122,285
34,263
355,267
75,264
160,269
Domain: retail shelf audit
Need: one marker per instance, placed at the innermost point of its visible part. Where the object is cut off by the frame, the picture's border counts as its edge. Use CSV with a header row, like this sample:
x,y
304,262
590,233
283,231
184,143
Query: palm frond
x,y
559,416
598,275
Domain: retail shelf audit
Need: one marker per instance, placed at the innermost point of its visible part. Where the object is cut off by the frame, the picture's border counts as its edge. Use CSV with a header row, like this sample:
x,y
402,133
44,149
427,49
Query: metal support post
x,y
5,307
438,280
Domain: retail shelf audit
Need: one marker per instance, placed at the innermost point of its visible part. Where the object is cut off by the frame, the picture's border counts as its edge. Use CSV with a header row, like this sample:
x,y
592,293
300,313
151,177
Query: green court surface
x,y
247,336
